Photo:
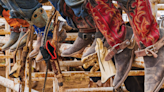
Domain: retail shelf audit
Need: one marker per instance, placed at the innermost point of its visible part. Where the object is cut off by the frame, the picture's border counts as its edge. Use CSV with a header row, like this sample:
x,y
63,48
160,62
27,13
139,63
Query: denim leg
x,y
25,8
41,31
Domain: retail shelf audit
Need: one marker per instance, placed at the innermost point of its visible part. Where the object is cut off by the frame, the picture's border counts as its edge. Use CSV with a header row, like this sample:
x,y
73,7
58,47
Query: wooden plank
x,y
7,68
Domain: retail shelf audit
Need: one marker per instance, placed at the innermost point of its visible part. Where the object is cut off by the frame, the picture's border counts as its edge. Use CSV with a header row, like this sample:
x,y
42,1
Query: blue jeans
x,y
41,31
21,8
25,8
79,9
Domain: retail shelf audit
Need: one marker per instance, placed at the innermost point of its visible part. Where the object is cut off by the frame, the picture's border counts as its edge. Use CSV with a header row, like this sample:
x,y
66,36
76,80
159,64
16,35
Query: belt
x,y
117,49
152,50
23,29
16,29
87,30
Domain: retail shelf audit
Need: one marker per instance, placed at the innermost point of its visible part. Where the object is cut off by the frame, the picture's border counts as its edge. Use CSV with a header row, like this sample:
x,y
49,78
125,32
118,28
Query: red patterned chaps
x,y
109,20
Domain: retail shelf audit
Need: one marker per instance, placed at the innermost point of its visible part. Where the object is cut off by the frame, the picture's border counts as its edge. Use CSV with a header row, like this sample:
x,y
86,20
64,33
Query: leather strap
x,y
114,50
23,29
151,50
87,30
86,36
16,29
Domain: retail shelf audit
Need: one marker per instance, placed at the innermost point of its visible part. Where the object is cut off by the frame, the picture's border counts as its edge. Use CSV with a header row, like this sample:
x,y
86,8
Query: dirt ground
x,y
49,86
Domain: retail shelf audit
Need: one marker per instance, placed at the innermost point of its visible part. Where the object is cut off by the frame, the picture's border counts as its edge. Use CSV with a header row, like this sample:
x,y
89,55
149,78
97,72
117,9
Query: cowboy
x,y
18,28
146,33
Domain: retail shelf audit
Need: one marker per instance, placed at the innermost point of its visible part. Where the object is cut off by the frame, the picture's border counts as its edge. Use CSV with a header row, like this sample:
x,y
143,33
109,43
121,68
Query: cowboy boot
x,y
91,50
38,44
13,38
154,70
123,62
63,24
82,41
22,42
39,57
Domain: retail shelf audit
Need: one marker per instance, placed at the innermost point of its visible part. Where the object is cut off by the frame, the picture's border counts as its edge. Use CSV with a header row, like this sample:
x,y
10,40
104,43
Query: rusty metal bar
x,y
138,62
27,73
71,36
12,85
70,63
4,31
30,59
42,78
7,29
4,39
154,9
99,89
83,73
3,65
55,85
5,56
157,1
160,7
9,83
7,68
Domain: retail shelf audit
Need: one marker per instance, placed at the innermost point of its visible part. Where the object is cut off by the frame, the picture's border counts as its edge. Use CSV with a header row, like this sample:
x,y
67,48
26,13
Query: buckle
x,y
150,50
23,29
114,47
120,50
85,36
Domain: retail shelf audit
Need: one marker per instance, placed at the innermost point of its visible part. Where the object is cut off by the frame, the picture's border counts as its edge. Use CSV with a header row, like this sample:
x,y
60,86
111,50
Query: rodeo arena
x,y
81,45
